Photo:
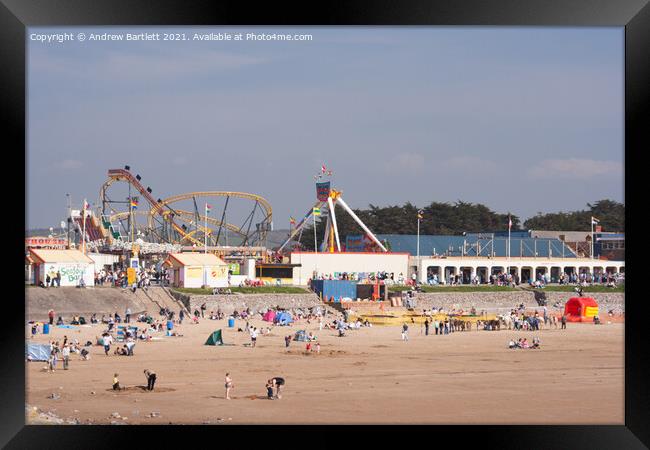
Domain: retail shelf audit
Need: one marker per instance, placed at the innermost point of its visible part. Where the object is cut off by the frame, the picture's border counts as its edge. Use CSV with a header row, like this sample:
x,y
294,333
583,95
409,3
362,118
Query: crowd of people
x,y
119,278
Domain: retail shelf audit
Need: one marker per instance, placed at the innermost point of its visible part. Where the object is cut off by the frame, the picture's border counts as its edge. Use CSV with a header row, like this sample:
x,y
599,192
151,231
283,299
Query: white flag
x,y
594,221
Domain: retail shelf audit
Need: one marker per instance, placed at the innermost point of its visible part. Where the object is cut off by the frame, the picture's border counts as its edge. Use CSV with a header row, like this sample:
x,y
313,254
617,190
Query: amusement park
x,y
131,228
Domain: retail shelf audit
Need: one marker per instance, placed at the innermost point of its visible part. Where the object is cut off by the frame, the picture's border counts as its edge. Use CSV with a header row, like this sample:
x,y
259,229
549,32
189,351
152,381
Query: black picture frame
x,y
634,15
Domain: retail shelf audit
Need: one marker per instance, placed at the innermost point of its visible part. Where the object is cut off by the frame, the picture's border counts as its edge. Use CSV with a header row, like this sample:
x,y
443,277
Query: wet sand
x,y
369,376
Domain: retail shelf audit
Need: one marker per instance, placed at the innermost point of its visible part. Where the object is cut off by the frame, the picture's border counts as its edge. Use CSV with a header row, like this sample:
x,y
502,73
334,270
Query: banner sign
x,y
45,242
323,191
234,268
354,243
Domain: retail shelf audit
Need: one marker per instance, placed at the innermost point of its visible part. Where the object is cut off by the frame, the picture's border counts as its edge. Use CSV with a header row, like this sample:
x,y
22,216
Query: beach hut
x,y
269,316
71,264
215,338
581,309
195,270
283,318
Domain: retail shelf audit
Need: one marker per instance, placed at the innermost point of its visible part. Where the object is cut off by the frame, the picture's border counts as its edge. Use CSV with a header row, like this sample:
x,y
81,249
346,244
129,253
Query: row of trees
x,y
611,216
456,218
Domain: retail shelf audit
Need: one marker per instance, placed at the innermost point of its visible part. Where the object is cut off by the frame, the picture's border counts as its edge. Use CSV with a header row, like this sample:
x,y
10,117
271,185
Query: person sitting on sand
x,y
85,354
524,343
121,351
512,344
535,342
116,383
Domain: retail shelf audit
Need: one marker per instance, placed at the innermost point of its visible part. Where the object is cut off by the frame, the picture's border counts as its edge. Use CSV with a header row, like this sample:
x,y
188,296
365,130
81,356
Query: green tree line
x,y
611,216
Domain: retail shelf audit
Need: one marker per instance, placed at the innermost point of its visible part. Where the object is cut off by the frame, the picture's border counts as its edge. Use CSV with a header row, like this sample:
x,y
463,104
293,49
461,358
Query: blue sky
x,y
520,119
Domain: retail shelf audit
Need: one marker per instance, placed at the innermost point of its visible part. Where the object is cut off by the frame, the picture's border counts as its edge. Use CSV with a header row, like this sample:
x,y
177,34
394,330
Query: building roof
x,y
472,245
194,259
40,255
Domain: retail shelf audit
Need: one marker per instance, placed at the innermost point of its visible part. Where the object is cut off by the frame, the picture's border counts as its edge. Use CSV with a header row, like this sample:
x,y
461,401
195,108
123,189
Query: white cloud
x,y
575,168
469,163
413,162
69,164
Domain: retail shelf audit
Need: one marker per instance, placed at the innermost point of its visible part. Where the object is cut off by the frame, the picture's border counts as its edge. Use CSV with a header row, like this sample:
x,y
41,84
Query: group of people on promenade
x,y
119,278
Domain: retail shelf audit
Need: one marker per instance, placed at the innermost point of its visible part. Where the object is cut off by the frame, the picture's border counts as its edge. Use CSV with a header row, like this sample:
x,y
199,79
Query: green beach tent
x,y
215,338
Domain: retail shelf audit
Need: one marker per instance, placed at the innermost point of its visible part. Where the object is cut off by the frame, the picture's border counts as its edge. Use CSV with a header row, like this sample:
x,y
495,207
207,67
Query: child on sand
x,y
116,383
317,347
269,390
308,347
287,341
229,385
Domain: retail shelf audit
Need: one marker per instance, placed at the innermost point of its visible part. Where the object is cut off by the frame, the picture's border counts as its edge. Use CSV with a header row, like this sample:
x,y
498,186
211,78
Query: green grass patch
x,y
247,290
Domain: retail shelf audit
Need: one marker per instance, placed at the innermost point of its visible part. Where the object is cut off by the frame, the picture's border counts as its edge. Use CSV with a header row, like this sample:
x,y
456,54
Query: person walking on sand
x,y
426,327
65,353
127,315
203,308
287,340
405,332
253,336
151,378
50,315
107,339
229,385
563,322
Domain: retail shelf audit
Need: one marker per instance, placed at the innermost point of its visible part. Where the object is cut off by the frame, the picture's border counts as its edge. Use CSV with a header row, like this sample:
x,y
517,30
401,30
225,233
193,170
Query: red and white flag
x,y
323,169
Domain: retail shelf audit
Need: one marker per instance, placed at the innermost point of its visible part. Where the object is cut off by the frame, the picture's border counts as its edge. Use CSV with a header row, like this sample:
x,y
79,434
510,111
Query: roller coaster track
x,y
264,204
167,213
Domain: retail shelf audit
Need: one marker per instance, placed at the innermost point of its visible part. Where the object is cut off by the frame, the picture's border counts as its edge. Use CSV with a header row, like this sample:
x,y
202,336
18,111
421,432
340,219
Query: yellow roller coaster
x,y
164,220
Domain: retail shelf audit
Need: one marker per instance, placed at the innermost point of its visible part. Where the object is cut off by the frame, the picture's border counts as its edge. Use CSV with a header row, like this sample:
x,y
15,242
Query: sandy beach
x,y
369,376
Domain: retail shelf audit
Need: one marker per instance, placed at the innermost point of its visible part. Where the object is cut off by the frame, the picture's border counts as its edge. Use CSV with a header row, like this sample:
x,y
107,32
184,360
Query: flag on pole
x,y
292,221
329,173
207,208
316,211
323,169
420,214
594,221
509,222
134,203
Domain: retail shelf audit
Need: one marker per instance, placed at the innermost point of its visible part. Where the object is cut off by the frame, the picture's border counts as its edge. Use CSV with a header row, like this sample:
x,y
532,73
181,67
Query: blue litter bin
x,y
46,328
170,325
231,322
